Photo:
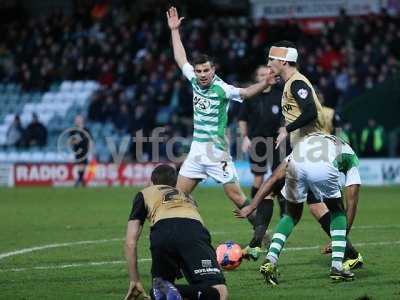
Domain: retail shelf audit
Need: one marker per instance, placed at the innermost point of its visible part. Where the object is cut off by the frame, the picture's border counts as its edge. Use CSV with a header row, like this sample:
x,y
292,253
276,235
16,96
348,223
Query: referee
x,y
259,121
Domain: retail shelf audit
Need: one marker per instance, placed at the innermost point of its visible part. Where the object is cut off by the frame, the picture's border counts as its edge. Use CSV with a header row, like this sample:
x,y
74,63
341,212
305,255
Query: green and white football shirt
x,y
210,108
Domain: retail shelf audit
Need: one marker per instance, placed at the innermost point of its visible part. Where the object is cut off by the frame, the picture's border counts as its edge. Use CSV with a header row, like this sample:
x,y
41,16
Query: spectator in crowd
x,y
15,133
35,133
80,139
127,55
122,119
347,134
372,142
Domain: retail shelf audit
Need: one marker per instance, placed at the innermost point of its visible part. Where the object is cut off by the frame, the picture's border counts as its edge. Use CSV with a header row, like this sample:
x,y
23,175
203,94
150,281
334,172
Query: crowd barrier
x,y
374,172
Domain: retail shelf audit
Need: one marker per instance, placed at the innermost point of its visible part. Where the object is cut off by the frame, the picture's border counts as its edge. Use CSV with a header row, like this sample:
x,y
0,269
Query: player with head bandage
x,y
300,105
303,116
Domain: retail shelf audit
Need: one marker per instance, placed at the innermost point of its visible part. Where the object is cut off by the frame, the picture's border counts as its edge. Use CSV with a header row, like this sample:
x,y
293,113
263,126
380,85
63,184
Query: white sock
x,y
337,264
272,259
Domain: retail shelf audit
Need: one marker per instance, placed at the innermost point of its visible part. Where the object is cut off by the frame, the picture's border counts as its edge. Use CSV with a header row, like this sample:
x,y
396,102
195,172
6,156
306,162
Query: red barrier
x,y
55,174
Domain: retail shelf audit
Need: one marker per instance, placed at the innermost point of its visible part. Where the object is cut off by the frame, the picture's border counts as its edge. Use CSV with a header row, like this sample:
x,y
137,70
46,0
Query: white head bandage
x,y
283,53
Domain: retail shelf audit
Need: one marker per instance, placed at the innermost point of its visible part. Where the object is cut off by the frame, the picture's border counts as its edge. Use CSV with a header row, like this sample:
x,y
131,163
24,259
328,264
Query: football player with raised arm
x,y
209,152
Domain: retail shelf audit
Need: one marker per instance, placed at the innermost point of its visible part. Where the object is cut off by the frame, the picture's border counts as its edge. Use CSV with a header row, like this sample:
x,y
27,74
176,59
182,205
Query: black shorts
x,y
263,155
312,200
184,245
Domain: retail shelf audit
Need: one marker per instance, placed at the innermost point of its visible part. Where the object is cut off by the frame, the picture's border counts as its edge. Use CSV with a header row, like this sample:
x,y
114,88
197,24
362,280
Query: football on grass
x,y
229,255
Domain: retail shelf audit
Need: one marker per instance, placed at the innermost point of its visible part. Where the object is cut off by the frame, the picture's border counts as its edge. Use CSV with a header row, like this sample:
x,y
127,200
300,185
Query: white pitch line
x,y
67,244
75,265
375,226
354,244
115,262
38,248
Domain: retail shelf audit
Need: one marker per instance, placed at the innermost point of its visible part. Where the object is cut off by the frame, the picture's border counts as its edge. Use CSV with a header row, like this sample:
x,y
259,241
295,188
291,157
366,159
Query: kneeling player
x,y
312,171
178,242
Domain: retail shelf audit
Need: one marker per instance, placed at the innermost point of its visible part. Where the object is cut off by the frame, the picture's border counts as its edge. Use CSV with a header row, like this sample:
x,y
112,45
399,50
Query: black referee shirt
x,y
80,138
263,113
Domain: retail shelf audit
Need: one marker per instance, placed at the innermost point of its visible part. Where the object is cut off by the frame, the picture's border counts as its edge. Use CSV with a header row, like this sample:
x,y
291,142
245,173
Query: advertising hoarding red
x,y
65,174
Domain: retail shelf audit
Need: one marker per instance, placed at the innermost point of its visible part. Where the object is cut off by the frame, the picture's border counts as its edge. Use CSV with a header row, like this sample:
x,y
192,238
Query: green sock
x,y
282,232
338,236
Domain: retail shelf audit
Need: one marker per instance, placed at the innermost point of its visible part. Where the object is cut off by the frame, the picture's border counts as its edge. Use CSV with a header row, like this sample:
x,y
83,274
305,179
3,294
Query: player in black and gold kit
x,y
179,242
303,115
300,105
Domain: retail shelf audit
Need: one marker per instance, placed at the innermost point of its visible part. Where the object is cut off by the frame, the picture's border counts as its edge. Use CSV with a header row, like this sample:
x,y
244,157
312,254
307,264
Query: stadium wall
x,y
275,10
374,172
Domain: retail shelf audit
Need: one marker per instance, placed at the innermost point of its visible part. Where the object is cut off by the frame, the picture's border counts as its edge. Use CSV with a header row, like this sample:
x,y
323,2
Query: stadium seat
x,y
45,117
8,119
78,86
66,86
58,97
13,156
3,140
48,97
30,108
24,156
50,157
37,156
3,156
3,129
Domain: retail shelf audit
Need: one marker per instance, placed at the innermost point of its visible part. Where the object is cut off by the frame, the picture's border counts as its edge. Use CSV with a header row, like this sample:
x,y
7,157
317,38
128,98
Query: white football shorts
x,y
320,178
205,160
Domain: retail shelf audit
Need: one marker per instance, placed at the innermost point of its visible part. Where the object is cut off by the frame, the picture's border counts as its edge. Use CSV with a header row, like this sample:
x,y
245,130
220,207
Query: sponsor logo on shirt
x,y
201,104
287,107
205,271
302,93
206,263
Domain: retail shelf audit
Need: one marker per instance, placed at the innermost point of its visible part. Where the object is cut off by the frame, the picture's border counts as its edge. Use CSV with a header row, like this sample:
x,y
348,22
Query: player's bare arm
x,y
132,236
265,189
174,22
351,193
246,143
258,87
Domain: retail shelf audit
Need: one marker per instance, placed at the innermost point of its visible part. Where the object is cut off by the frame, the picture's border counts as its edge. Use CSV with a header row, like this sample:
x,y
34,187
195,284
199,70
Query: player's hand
x,y
327,249
135,291
173,18
281,136
246,143
244,212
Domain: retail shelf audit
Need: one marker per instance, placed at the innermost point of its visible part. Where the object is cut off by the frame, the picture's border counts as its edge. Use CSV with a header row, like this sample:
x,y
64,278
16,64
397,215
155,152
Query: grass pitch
x,y
64,243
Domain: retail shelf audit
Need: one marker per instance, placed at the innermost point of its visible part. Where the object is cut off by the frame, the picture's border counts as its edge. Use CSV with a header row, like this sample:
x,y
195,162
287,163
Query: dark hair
x,y
287,44
202,59
164,174
258,68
